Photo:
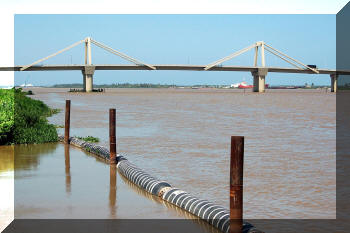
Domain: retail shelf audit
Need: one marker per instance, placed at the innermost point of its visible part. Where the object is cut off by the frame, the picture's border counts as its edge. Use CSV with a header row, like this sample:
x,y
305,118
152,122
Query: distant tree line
x,y
136,85
151,85
117,85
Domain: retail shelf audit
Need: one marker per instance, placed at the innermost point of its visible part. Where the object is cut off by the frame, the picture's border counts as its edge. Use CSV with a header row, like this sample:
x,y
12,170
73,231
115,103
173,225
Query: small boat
x,y
244,85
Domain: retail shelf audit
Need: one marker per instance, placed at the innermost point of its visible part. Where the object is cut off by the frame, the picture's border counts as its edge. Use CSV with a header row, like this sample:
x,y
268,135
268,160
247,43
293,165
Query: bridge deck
x,y
173,67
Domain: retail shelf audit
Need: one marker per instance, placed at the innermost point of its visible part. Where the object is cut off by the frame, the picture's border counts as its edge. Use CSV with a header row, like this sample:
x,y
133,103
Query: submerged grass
x,y
89,139
23,120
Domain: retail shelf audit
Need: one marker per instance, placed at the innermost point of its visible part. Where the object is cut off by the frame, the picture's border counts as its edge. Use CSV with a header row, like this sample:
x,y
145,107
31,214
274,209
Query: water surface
x,y
183,136
7,186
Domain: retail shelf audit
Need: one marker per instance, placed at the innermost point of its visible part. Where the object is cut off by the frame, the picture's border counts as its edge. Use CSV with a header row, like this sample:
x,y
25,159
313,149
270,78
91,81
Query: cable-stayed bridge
x,y
259,73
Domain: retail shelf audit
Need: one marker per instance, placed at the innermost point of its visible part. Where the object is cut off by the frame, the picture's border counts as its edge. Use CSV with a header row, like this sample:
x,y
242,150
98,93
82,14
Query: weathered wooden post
x,y
112,138
67,122
236,184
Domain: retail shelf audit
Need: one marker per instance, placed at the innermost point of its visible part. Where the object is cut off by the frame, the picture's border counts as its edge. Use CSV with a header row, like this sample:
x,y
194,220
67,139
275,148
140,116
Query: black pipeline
x,y
215,215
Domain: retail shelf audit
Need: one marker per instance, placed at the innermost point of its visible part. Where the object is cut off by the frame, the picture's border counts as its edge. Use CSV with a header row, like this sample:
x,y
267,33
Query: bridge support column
x,y
259,79
334,82
84,82
88,74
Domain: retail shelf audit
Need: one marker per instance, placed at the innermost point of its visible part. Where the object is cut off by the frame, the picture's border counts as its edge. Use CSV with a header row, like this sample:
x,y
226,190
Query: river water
x,y
6,186
183,136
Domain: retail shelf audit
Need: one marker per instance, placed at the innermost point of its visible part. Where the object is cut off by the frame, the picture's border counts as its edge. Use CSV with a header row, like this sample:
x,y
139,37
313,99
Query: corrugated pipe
x,y
215,215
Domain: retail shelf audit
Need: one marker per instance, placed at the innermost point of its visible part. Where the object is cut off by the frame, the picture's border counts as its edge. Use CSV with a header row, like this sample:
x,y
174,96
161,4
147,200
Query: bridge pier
x,y
88,74
334,82
259,79
84,82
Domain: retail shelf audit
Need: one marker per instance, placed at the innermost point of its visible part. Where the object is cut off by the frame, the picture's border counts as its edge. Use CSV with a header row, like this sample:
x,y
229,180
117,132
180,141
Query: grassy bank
x,y
23,120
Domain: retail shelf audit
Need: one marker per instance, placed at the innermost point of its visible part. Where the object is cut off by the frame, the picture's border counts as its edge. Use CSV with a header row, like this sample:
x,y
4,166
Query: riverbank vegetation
x,y
89,139
6,115
23,119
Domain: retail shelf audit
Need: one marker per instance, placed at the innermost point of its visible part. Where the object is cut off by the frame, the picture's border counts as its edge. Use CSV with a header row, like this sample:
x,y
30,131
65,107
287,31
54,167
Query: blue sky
x,y
174,39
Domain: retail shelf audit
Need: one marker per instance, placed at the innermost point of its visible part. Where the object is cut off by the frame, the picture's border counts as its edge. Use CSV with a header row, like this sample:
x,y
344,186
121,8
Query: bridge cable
x,y
269,50
314,70
229,57
52,55
122,55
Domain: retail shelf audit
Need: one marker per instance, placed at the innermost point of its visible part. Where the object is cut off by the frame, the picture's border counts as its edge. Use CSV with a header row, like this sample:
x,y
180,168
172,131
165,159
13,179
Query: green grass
x,y
23,120
6,115
89,139
54,111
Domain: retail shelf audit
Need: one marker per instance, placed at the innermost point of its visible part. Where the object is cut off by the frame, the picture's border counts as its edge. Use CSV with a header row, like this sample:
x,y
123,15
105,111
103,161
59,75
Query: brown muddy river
x,y
183,136
6,186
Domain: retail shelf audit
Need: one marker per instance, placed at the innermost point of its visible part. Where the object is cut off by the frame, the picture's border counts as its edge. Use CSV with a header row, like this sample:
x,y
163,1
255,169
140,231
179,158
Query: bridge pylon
x,y
261,72
89,69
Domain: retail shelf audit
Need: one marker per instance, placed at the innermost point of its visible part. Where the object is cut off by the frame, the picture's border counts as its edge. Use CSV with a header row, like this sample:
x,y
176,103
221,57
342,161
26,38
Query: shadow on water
x,y
67,169
6,158
27,157
57,181
112,179
112,190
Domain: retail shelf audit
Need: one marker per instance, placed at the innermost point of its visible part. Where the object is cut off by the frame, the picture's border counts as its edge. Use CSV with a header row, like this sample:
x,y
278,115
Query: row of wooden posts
x,y
112,131
236,166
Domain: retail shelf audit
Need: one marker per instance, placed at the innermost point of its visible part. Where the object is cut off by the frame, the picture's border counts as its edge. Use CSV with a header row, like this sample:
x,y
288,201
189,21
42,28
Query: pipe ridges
x,y
213,214
163,191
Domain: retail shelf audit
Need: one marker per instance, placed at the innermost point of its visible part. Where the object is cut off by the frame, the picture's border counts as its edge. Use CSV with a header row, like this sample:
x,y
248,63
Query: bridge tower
x,y
260,73
89,70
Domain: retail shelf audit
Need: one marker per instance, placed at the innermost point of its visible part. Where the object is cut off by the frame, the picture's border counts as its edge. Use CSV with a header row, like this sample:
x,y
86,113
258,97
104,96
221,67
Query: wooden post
x,y
112,138
236,184
67,122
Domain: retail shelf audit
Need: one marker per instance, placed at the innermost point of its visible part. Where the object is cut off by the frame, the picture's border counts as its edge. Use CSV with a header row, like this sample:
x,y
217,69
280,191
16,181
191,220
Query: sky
x,y
174,39
10,9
